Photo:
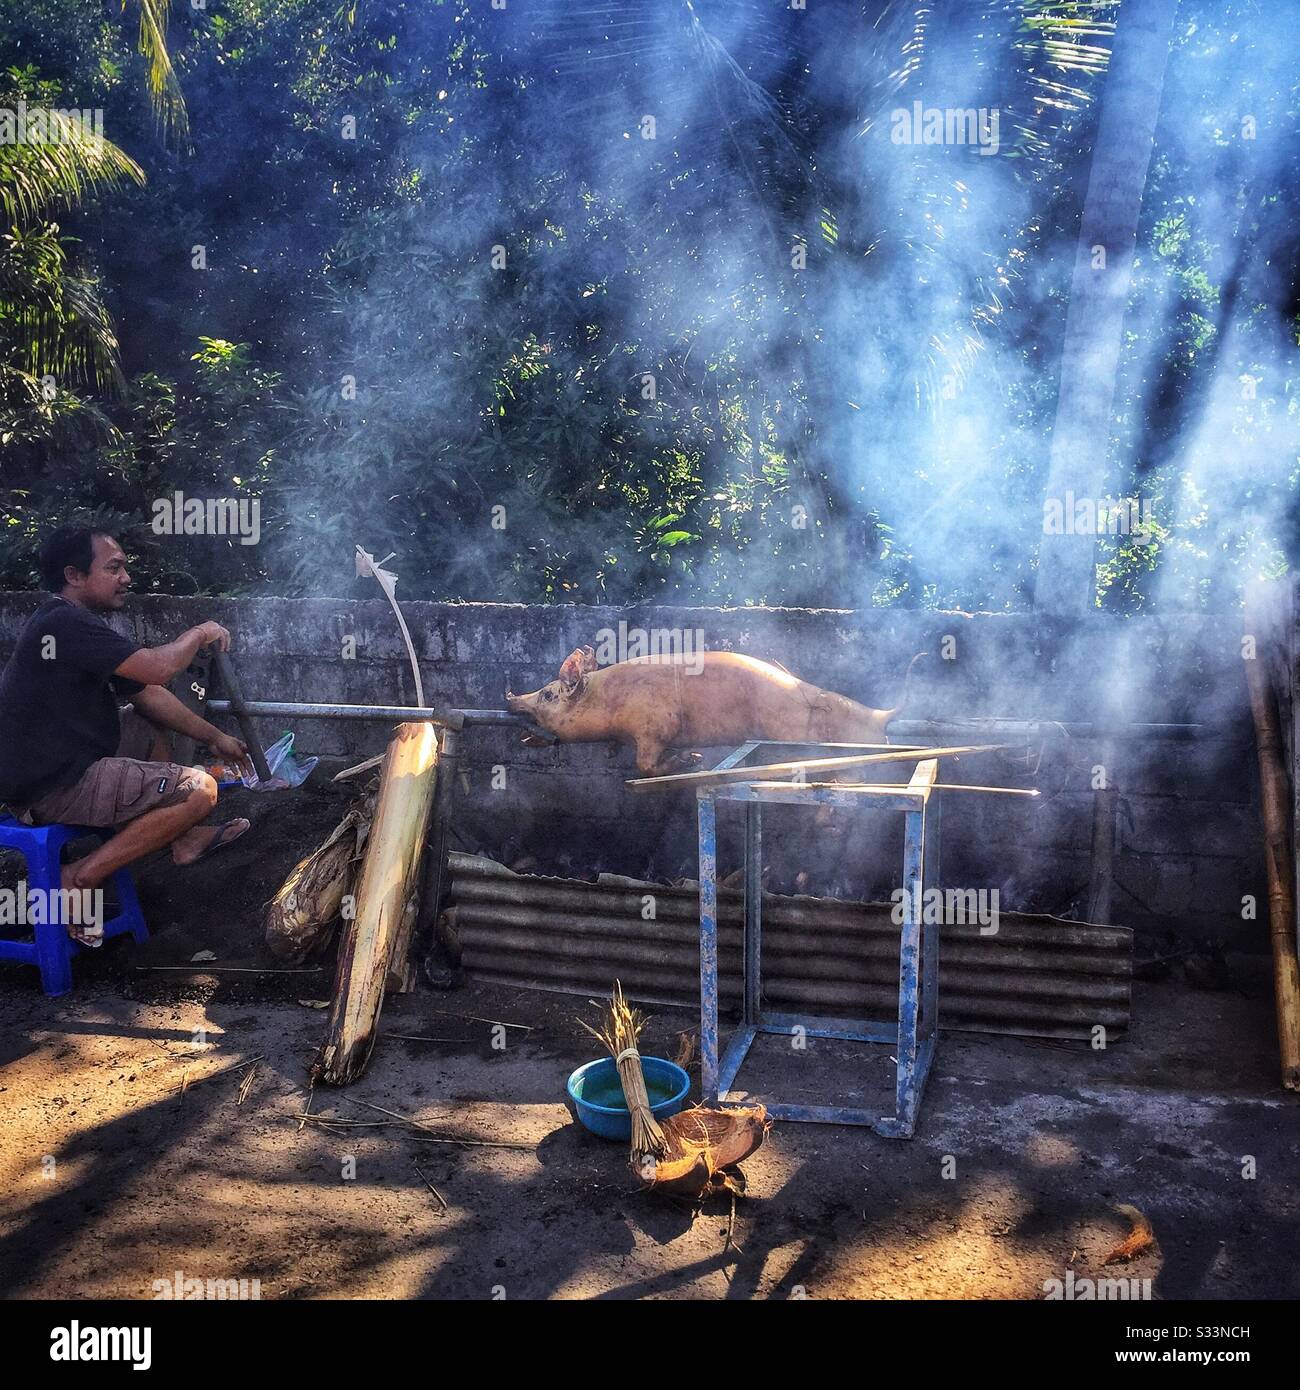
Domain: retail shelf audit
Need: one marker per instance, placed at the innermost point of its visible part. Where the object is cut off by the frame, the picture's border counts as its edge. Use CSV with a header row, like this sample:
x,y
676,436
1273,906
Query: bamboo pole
x,y
389,875
1275,794
719,777
892,788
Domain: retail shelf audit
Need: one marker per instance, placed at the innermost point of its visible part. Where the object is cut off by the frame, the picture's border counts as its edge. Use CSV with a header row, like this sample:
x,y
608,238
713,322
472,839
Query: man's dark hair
x,y
69,545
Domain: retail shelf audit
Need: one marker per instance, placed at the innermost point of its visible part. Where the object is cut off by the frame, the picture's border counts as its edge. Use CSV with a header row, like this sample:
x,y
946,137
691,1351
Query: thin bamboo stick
x,y
895,787
718,778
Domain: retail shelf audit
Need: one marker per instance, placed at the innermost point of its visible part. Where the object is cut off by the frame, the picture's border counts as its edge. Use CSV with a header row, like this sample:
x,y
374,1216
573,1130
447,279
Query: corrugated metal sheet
x,y
1038,976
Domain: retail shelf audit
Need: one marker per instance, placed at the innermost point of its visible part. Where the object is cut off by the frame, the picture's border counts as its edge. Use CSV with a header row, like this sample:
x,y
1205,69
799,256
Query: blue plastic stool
x,y
53,948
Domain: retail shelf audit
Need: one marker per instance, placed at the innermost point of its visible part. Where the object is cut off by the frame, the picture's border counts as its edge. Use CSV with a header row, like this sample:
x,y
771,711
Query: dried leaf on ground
x,y
1138,1241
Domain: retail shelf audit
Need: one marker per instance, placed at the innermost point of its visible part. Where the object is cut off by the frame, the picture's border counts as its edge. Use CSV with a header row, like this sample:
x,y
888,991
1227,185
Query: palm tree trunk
x,y
1066,583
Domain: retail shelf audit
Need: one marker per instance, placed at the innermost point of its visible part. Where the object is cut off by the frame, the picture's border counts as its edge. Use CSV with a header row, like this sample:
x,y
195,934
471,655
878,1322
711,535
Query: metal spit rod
x,y
1036,728
898,728
447,718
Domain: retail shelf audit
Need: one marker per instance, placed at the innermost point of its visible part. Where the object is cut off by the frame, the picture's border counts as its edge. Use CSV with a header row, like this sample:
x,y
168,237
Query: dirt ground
x,y
127,1153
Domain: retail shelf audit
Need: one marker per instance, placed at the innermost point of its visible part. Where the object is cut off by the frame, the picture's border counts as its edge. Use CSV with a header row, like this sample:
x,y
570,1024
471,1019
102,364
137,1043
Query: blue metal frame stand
x,y
917,1027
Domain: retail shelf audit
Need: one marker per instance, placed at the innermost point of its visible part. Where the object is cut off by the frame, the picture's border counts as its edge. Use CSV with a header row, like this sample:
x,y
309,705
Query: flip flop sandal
x,y
223,837
89,934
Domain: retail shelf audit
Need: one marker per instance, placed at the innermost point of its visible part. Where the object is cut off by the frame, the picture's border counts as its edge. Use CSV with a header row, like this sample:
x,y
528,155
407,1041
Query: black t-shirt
x,y
59,701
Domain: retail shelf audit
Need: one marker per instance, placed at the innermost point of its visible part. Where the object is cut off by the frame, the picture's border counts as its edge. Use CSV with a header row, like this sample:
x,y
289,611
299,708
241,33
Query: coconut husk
x,y
702,1145
300,918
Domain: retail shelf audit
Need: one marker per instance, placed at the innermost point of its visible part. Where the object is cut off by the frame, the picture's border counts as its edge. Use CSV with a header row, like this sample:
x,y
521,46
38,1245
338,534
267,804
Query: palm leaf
x,y
53,322
712,73
164,87
61,171
1047,56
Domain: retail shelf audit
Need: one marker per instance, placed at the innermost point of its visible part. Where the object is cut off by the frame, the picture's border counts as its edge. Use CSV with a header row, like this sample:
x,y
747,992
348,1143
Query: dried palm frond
x,y
300,917
702,1146
620,1028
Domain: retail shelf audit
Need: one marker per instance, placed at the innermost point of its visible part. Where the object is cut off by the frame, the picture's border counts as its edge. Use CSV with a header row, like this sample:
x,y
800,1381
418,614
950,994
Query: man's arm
x,y
161,707
157,665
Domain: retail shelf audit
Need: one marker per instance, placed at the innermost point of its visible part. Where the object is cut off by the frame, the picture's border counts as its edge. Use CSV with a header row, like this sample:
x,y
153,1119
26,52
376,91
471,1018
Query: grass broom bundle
x,y
620,1030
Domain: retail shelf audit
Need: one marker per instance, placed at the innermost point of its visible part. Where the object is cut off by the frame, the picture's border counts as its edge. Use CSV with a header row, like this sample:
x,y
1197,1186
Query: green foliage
x,y
54,328
210,435
640,401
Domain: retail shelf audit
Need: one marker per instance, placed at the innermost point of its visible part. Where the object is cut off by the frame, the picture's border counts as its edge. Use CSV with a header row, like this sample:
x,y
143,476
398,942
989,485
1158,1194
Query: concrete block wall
x,y
1189,839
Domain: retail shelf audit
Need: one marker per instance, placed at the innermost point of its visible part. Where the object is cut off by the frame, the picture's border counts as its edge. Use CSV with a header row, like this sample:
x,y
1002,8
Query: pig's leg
x,y
653,734
682,761
654,760
649,756
670,762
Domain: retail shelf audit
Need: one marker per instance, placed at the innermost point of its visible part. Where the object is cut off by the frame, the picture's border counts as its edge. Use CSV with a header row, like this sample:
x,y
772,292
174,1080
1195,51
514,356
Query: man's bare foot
x,y
83,925
203,839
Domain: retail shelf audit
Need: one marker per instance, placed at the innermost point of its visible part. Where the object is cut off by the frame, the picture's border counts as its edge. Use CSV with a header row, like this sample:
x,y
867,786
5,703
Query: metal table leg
x,y
915,1032
708,949
753,939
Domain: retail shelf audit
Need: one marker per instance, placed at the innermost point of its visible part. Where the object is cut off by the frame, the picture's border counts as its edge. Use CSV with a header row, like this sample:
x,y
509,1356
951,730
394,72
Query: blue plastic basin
x,y
597,1094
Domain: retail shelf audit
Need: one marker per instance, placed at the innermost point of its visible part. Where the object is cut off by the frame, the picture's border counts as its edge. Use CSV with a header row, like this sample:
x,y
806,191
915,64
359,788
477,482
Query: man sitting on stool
x,y
66,753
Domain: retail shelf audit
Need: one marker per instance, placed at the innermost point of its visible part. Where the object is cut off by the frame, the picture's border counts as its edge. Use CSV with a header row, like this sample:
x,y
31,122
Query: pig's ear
x,y
573,672
588,658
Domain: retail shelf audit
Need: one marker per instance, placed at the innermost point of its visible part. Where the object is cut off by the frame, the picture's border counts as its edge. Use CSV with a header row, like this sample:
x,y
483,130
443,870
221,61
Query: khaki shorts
x,y
118,789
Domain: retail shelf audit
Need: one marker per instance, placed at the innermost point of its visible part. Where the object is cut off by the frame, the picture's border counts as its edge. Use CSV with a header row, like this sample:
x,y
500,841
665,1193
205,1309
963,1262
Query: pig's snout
x,y
530,707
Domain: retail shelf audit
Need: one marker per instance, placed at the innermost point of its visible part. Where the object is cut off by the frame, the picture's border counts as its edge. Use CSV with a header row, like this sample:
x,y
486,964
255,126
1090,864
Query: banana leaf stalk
x,y
390,875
